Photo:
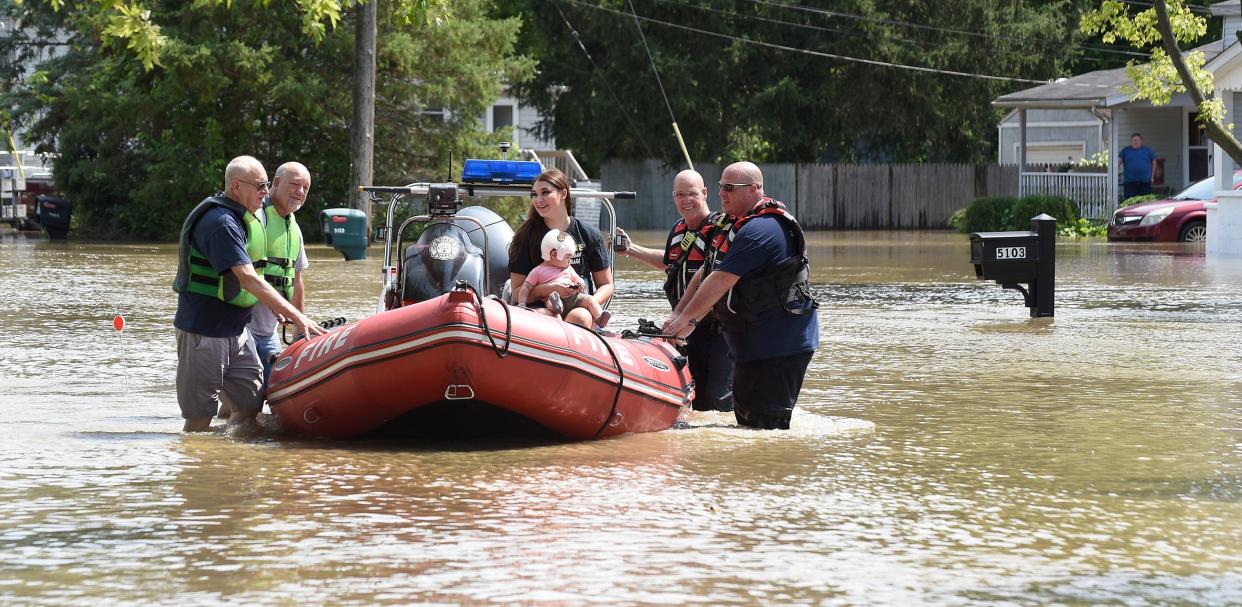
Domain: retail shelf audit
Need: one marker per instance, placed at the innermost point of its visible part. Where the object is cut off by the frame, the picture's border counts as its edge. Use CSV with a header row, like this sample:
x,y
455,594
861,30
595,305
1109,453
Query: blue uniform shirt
x,y
222,238
761,243
1137,163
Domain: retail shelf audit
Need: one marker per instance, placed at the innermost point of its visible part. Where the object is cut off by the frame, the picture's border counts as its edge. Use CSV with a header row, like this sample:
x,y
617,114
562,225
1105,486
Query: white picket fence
x,y
1089,190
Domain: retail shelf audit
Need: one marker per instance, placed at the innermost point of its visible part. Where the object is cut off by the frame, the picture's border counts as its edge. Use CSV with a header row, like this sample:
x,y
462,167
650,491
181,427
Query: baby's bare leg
x,y
591,305
599,315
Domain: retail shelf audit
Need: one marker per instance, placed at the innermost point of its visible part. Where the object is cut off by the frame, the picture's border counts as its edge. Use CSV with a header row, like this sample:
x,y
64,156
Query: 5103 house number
x,y
1011,252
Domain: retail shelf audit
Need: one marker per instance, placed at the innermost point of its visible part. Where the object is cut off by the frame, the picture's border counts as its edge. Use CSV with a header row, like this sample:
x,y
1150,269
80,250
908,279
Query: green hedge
x,y
1003,213
1059,207
987,214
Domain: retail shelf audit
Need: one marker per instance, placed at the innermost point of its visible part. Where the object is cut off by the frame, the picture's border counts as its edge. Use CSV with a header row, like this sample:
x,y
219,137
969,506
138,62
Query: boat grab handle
x,y
458,392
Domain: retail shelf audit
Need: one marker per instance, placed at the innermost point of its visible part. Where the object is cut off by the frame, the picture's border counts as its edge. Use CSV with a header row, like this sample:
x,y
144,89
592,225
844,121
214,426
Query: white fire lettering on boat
x,y
333,341
340,340
578,339
323,347
303,354
623,354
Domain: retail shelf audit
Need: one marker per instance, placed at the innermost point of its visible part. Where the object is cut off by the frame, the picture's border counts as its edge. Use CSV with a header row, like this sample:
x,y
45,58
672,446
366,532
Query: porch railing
x,y
1089,190
561,159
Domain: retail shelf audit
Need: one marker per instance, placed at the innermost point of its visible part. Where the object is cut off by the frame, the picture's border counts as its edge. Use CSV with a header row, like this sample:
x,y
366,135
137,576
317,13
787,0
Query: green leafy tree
x,y
135,148
735,94
1162,28
130,24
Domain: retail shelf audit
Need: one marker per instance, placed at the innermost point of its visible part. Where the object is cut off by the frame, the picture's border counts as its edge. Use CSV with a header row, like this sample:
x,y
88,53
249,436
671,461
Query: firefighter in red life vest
x,y
683,255
756,280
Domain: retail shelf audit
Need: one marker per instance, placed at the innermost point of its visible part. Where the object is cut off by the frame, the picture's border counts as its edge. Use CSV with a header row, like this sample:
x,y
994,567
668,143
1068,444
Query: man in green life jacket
x,y
286,256
217,284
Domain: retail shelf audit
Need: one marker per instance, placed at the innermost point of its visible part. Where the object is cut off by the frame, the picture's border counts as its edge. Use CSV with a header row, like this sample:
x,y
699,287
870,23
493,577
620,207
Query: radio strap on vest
x,y
694,240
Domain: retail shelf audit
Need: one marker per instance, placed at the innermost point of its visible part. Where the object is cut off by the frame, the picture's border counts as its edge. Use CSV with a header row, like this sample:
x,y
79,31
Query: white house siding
x,y
528,119
1050,134
1163,131
525,119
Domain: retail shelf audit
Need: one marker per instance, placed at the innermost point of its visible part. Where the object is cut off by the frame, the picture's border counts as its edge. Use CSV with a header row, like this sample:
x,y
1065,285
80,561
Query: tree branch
x,y
1214,130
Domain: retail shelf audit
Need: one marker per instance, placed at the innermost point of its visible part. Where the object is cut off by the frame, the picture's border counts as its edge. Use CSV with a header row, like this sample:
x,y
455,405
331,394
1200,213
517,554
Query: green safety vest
x,y
284,243
194,271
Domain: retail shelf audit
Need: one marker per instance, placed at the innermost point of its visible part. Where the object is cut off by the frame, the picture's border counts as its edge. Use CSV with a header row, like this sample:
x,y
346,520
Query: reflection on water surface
x,y
948,450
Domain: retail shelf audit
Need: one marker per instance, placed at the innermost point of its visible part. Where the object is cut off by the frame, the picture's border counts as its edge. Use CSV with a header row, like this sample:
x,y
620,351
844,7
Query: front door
x,y
1198,150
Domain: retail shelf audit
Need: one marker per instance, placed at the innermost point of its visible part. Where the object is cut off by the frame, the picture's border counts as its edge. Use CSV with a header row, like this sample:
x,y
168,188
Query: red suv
x,y
1181,218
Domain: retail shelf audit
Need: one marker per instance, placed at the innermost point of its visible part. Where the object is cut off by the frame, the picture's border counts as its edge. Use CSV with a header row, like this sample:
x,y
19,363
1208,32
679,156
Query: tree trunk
x,y
362,131
1214,130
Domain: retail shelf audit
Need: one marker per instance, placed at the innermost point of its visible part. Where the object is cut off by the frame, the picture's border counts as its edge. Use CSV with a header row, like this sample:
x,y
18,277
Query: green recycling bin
x,y
346,231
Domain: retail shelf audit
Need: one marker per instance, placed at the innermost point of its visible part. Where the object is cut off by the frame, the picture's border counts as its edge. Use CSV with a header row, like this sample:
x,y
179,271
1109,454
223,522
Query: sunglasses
x,y
261,186
729,187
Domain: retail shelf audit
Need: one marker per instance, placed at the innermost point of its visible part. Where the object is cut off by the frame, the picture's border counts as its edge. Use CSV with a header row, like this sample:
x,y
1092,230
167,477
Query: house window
x,y
436,114
1198,149
502,116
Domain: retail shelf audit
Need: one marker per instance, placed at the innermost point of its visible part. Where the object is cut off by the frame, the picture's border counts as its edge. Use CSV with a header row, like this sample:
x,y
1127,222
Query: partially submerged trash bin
x,y
346,231
1016,258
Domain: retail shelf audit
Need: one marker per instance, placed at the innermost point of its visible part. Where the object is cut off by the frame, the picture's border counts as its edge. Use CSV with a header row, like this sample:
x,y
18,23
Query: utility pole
x,y
362,130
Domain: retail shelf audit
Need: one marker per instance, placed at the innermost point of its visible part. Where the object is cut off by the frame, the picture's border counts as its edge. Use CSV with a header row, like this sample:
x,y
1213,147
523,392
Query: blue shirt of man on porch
x,y
1139,162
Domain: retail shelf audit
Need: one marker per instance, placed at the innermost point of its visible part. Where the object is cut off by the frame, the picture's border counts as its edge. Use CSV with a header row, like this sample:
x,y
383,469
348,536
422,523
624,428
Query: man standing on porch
x,y
1140,163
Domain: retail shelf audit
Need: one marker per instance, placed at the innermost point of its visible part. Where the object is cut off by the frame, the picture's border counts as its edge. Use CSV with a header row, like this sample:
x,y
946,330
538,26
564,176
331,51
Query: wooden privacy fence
x,y
824,196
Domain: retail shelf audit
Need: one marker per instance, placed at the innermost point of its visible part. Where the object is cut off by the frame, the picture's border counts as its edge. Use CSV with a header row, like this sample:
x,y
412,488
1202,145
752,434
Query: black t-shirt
x,y
590,255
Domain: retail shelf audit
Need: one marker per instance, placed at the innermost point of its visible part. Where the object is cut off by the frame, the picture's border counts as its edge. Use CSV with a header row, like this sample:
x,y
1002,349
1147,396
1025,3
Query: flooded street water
x,y
947,450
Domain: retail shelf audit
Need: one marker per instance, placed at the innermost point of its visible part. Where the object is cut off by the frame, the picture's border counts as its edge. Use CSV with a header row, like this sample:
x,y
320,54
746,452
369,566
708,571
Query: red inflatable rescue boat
x,y
460,365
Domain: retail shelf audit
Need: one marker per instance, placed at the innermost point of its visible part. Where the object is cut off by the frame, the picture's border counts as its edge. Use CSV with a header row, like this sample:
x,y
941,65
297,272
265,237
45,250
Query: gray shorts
x,y
571,303
211,367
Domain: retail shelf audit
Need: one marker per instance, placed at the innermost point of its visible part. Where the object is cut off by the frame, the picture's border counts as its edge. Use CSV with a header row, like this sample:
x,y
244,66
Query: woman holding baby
x,y
551,208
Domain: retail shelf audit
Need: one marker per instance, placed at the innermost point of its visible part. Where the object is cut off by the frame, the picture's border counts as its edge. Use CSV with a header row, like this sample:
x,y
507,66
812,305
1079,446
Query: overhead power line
x,y
922,43
676,130
874,62
595,68
946,30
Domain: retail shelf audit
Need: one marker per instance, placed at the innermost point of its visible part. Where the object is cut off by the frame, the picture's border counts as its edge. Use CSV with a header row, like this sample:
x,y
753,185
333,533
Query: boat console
x,y
456,242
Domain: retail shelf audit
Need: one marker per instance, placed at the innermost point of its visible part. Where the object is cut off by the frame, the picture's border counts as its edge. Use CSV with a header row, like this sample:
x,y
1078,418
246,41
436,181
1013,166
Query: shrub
x,y
957,220
1137,199
1059,207
986,214
1000,214
1082,227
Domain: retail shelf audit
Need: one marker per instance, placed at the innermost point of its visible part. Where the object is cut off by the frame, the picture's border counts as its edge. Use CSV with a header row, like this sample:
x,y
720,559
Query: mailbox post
x,y
1016,258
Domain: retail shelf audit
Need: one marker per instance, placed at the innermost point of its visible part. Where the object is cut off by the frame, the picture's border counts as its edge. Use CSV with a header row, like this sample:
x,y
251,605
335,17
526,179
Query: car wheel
x,y
1194,231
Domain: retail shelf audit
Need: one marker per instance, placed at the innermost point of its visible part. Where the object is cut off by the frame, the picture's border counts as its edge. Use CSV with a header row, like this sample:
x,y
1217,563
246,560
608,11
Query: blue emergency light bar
x,y
500,171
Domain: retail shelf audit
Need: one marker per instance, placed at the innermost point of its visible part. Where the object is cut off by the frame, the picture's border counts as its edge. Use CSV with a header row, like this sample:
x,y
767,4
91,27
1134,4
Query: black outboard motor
x,y
453,249
53,213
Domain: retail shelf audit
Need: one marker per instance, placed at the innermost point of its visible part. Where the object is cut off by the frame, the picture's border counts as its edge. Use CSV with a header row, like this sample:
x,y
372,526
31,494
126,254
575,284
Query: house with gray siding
x,y
1053,136
1051,121
508,111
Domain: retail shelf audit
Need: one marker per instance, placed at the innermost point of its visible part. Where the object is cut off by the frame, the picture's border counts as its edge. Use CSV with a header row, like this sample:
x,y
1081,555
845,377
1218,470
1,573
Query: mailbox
x,y
53,213
1014,259
346,231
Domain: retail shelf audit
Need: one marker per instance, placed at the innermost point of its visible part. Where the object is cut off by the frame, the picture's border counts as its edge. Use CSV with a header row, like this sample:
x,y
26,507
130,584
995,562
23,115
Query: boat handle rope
x,y
500,352
616,397
331,323
647,328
